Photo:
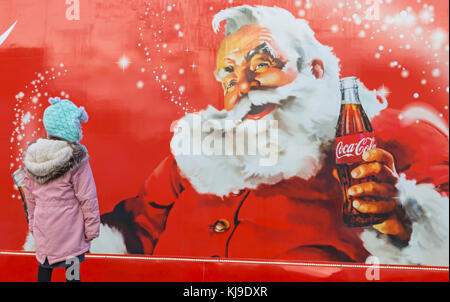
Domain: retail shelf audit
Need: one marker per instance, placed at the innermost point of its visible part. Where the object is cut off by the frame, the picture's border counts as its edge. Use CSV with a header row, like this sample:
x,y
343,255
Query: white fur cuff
x,y
29,243
429,214
110,241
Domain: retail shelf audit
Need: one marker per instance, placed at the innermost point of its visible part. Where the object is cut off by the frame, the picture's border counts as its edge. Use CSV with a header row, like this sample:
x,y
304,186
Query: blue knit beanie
x,y
63,119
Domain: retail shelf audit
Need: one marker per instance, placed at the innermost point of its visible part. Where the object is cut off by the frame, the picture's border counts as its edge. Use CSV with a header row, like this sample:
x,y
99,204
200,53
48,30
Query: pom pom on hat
x,y
83,115
54,101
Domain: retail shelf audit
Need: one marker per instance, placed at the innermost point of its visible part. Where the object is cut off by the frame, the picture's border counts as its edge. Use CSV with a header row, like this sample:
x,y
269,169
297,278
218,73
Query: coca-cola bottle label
x,y
350,148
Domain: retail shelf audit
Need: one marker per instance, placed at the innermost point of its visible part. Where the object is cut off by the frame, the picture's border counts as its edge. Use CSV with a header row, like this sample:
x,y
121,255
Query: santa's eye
x,y
262,67
229,69
231,84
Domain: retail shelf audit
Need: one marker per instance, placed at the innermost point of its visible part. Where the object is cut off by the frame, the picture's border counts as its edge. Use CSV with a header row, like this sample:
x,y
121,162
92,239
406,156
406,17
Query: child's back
x,y
60,190
62,199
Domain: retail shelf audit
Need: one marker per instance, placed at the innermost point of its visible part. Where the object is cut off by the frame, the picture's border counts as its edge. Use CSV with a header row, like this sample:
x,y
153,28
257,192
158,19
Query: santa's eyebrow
x,y
262,48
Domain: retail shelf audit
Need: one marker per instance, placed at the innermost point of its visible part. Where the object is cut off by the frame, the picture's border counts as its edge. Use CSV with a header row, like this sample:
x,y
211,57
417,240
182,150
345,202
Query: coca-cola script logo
x,y
349,149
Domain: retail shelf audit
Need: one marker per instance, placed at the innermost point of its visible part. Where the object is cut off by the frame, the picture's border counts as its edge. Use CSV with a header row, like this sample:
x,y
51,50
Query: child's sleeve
x,y
86,193
30,202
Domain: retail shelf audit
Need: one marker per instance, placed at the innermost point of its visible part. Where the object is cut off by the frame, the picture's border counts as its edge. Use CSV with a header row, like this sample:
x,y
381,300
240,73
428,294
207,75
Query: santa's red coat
x,y
294,219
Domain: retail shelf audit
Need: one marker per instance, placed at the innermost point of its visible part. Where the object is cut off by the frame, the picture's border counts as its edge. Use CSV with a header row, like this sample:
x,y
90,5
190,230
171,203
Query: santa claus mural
x,y
222,203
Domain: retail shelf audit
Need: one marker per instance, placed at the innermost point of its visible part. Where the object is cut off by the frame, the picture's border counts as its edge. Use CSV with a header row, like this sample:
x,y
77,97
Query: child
x,y
60,192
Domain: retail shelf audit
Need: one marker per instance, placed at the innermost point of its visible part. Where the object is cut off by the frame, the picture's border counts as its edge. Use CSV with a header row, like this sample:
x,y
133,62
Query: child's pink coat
x,y
63,214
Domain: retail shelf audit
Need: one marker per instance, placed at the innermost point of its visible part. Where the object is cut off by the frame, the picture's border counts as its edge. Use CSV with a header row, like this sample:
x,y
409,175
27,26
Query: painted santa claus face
x,y
262,82
249,60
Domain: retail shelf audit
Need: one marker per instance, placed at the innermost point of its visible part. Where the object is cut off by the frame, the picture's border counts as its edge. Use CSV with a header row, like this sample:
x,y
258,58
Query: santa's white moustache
x,y
307,112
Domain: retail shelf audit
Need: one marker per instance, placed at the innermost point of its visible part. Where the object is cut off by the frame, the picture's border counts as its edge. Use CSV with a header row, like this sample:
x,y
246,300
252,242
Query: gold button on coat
x,y
221,226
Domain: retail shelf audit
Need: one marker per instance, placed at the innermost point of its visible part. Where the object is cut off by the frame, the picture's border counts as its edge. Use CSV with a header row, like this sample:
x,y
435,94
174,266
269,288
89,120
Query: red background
x,y
129,128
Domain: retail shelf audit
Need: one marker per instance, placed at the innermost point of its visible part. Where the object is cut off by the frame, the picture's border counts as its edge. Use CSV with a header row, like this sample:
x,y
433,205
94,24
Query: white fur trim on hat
x,y
429,213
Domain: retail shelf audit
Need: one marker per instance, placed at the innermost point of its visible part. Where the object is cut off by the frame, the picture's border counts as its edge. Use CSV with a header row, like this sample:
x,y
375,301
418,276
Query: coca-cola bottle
x,y
354,136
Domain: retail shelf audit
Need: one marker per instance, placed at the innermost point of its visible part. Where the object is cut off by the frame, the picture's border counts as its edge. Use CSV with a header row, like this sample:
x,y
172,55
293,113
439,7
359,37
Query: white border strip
x,y
220,260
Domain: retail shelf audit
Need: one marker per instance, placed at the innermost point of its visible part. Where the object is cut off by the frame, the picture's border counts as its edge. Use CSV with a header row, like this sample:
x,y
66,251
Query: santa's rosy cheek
x,y
231,98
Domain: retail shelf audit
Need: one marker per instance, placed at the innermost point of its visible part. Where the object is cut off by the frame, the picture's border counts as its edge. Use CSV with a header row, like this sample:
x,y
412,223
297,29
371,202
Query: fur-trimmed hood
x,y
48,159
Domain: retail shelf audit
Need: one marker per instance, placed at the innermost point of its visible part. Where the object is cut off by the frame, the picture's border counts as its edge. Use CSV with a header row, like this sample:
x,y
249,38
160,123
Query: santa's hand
x,y
379,194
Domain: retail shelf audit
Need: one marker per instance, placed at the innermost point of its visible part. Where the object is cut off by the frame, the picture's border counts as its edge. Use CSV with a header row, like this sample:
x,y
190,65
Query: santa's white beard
x,y
307,113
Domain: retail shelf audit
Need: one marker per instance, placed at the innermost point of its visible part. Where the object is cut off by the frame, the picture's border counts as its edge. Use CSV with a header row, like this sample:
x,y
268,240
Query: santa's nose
x,y
244,87
245,83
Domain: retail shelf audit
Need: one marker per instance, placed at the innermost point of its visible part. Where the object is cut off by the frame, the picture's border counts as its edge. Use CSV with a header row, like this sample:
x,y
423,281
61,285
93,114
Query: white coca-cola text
x,y
355,149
